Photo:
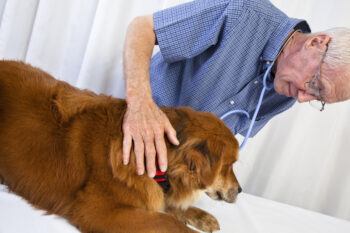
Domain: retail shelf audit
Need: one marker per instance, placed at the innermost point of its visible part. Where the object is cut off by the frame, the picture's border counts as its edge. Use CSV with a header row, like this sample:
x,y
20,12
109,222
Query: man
x,y
219,56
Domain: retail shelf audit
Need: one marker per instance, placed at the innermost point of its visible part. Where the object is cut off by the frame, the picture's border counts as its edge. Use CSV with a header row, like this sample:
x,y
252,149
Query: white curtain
x,y
301,157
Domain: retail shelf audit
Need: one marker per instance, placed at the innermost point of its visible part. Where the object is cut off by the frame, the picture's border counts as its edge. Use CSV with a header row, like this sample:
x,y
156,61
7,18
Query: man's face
x,y
300,67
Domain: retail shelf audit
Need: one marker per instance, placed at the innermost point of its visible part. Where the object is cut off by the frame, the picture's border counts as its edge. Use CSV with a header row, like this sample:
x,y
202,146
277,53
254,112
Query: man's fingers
x,y
127,141
146,138
139,153
171,133
161,151
150,155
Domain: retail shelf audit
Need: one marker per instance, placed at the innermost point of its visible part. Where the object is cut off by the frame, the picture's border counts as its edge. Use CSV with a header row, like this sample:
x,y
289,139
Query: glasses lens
x,y
317,104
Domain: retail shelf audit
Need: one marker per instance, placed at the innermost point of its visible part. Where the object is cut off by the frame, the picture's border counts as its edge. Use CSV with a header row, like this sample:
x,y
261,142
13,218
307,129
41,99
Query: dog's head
x,y
203,160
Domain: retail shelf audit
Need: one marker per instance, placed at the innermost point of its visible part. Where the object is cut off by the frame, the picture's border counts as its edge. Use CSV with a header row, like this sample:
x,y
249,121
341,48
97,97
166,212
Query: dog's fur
x,y
61,149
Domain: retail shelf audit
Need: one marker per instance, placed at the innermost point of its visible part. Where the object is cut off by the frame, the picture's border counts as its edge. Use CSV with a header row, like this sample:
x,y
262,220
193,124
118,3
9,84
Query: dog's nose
x,y
239,189
219,194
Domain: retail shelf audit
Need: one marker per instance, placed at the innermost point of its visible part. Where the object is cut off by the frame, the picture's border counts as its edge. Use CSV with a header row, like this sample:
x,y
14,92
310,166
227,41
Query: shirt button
x,y
232,102
256,82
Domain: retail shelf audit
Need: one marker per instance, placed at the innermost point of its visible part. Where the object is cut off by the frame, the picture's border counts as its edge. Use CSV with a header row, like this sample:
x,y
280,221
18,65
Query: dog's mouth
x,y
230,196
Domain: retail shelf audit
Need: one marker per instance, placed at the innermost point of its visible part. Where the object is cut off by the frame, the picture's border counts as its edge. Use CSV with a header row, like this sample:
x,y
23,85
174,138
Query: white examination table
x,y
249,214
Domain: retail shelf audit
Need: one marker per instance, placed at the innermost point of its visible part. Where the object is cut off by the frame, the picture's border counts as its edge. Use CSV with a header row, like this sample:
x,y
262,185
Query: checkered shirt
x,y
213,55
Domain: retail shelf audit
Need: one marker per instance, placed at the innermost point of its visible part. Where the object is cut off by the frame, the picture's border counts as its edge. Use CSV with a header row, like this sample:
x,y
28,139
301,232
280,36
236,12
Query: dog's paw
x,y
207,223
202,220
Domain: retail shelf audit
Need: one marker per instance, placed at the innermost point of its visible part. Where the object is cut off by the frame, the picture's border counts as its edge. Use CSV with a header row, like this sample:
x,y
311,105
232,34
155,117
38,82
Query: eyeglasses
x,y
314,87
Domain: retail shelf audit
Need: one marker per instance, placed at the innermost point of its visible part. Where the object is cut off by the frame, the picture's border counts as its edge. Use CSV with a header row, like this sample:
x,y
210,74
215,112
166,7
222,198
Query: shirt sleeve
x,y
187,30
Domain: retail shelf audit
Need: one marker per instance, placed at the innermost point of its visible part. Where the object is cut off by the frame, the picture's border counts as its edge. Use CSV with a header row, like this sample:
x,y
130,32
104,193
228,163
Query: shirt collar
x,y
281,34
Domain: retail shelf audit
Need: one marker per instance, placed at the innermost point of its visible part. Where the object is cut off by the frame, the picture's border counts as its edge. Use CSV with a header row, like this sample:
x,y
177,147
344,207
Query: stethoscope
x,y
239,111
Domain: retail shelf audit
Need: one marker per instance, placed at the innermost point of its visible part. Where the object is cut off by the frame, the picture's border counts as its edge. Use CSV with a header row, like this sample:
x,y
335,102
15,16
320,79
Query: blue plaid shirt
x,y
213,54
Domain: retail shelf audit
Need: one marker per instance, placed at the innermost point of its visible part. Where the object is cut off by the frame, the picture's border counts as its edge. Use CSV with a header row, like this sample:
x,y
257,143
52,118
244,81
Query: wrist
x,y
138,98
137,89
138,94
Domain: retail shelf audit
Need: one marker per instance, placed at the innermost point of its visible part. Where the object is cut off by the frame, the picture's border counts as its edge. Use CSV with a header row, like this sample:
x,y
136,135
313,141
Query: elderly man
x,y
243,60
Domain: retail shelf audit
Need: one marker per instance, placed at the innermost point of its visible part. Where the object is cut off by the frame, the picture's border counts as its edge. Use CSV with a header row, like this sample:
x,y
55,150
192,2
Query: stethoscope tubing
x,y
240,111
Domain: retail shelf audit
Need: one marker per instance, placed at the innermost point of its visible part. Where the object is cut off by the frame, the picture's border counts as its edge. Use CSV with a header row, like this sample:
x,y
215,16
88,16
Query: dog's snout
x,y
229,195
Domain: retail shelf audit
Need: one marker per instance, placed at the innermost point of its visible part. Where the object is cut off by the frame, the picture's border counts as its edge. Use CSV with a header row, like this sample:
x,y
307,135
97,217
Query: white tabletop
x,y
250,214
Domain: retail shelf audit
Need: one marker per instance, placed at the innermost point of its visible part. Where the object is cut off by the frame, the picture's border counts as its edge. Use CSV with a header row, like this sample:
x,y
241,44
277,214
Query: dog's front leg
x,y
136,221
196,217
97,209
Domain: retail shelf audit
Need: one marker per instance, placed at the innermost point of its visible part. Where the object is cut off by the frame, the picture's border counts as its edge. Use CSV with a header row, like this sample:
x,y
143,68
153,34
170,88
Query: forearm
x,y
138,48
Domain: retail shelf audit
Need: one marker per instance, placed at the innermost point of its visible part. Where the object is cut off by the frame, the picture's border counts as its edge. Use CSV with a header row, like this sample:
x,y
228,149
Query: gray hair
x,y
338,53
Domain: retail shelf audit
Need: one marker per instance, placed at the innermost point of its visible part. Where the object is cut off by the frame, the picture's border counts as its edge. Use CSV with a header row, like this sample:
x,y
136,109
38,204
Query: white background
x,y
301,157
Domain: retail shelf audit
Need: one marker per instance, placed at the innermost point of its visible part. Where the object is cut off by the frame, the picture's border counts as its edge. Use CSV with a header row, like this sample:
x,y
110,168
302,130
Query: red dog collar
x,y
162,179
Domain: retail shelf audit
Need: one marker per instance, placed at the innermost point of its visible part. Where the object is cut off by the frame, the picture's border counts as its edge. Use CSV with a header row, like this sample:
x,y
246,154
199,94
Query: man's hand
x,y
144,125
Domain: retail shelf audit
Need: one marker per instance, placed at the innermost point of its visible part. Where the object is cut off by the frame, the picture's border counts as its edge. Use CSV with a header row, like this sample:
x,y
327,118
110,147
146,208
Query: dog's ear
x,y
196,160
203,148
202,160
193,161
69,101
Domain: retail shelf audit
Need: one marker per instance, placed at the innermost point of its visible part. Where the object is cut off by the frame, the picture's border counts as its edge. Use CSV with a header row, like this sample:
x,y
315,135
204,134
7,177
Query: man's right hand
x,y
144,123
144,126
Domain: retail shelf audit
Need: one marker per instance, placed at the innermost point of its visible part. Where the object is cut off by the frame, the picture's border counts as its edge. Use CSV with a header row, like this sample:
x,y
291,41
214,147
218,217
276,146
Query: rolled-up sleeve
x,y
186,30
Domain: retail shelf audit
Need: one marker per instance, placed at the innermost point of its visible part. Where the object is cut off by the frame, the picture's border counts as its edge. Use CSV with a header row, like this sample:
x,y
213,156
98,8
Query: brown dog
x,y
61,149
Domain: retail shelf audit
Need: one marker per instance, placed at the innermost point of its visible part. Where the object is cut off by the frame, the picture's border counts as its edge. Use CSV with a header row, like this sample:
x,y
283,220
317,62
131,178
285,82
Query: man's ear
x,y
70,101
318,41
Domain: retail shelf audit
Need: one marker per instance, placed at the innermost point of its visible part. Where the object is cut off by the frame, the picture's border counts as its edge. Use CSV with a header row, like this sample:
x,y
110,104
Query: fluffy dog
x,y
61,150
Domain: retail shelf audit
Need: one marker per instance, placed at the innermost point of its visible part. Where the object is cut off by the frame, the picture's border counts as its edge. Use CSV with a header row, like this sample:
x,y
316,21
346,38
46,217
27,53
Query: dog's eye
x,y
192,166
